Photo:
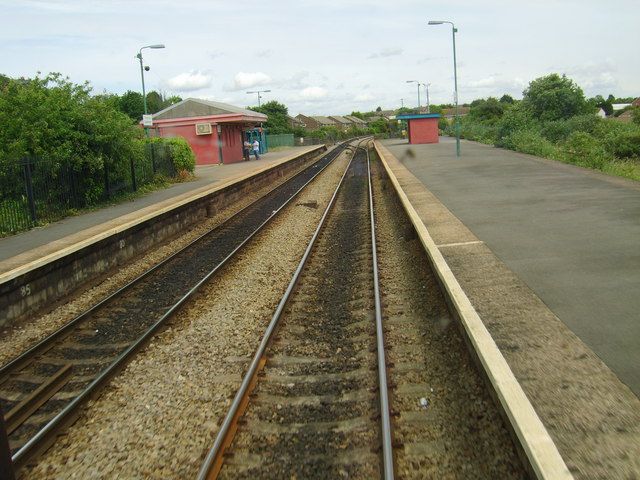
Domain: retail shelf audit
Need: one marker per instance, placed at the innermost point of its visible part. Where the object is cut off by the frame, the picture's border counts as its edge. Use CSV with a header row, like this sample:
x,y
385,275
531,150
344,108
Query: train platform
x,y
546,254
39,242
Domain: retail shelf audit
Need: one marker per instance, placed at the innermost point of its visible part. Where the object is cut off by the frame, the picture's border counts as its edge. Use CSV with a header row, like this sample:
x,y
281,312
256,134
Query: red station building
x,y
215,130
422,128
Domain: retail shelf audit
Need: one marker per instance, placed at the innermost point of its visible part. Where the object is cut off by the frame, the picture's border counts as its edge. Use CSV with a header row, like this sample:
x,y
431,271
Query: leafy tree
x,y
278,121
57,119
379,126
488,110
599,102
357,115
554,97
379,109
155,102
132,104
506,99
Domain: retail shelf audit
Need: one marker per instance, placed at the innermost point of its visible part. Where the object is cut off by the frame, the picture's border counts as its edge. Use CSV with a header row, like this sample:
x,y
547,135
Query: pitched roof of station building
x,y
196,107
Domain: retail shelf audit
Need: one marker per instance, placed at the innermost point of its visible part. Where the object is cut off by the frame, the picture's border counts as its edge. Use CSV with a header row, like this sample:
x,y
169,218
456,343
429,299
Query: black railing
x,y
34,190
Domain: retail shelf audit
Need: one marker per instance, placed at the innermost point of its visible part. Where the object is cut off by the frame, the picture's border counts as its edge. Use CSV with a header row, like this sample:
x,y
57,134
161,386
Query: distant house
x,y
358,122
624,117
601,113
449,113
620,106
342,122
214,130
295,122
314,122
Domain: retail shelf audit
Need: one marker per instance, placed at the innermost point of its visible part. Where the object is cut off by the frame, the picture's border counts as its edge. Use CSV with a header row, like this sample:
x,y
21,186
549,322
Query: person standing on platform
x,y
246,150
256,149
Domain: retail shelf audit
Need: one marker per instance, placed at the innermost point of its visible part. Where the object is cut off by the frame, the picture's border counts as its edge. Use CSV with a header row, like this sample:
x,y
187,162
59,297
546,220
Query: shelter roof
x,y
413,116
196,107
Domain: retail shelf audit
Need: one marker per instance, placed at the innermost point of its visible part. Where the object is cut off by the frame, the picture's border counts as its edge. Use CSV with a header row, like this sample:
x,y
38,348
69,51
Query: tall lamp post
x,y
259,92
426,89
142,69
416,81
455,79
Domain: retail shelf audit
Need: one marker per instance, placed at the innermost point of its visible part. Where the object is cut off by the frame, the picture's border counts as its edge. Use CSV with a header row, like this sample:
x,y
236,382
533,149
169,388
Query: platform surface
x,y
571,234
14,248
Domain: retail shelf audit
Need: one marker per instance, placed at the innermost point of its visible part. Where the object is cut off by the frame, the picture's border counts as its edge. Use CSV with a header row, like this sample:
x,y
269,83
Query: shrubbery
x,y
180,152
555,121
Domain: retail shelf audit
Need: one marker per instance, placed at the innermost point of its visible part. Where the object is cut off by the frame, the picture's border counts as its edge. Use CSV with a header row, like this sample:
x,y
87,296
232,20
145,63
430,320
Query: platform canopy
x,y
415,116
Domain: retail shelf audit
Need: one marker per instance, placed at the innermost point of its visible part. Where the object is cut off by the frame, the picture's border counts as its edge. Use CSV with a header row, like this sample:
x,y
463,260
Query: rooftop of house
x,y
341,119
355,119
323,120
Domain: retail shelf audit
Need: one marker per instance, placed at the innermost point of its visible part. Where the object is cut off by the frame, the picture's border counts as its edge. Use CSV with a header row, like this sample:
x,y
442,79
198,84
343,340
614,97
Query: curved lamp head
x,y
158,45
435,22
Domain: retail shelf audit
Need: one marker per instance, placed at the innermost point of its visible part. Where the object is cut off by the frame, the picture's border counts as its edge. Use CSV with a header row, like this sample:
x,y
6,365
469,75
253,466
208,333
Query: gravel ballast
x,y
447,425
159,417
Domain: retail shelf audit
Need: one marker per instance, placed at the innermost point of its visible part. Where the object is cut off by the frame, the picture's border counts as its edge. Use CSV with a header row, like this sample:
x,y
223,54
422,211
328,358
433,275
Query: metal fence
x,y
282,140
309,141
37,190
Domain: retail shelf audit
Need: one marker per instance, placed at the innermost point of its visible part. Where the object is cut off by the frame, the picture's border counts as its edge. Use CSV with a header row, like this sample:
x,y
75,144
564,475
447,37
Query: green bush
x,y
182,155
517,117
585,150
627,144
532,142
180,152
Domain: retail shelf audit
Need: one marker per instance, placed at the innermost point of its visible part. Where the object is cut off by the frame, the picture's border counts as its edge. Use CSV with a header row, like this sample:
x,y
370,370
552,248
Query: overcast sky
x,y
329,56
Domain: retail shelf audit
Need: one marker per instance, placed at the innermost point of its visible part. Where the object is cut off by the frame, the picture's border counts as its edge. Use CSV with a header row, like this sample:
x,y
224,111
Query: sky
x,y
327,57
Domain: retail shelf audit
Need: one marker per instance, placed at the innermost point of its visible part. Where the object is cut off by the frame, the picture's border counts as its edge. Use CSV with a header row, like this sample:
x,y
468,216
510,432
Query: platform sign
x,y
147,120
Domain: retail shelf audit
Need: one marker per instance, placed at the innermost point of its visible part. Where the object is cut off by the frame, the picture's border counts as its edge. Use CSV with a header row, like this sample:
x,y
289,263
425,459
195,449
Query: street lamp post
x,y
259,92
416,81
142,69
455,79
134,184
426,88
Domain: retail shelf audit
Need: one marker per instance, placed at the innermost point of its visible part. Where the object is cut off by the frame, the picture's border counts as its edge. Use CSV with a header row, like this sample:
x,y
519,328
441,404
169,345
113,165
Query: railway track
x,y
42,390
314,401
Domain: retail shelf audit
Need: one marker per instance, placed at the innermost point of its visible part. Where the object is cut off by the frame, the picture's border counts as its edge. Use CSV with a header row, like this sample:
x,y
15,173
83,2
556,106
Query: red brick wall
x,y
423,130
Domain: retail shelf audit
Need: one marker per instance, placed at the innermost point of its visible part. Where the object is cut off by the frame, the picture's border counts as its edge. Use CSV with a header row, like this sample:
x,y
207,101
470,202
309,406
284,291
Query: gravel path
x,y
159,417
446,423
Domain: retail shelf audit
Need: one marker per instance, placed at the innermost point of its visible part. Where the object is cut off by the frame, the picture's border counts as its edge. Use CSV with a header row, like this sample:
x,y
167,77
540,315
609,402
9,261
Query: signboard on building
x,y
203,129
147,120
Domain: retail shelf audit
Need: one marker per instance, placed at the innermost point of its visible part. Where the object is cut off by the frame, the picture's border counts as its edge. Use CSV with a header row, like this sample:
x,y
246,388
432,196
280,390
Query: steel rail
x,y
385,420
45,343
212,464
66,416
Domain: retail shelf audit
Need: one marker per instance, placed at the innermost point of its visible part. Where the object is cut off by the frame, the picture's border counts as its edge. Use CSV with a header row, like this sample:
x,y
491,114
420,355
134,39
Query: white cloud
x,y
314,93
244,80
387,52
190,81
364,97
